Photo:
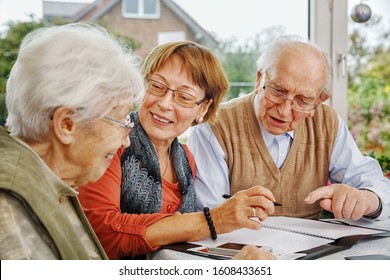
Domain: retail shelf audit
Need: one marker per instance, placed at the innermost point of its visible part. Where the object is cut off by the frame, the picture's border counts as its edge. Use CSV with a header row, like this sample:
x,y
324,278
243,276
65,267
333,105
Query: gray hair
x,y
78,65
272,55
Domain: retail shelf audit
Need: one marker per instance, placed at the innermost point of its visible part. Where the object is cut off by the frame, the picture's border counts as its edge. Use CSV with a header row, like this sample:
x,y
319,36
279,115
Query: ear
x,y
205,107
324,96
258,80
63,125
203,111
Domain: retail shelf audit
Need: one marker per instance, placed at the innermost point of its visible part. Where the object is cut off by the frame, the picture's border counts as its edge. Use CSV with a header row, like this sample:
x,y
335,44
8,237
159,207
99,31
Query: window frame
x,y
328,29
141,10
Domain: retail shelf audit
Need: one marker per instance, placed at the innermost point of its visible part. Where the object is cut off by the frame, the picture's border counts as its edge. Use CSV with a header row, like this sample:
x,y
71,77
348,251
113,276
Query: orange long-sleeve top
x,y
122,234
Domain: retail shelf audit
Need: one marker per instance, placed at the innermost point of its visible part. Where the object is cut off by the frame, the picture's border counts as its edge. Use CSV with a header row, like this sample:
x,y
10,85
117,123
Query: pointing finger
x,y
320,193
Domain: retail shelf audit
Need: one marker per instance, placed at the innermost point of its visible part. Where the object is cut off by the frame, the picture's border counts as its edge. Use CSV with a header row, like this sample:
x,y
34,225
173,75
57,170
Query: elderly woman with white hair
x,y
68,98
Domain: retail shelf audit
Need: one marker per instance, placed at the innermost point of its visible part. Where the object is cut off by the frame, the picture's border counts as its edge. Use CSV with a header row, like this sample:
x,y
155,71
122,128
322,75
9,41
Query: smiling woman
x,y
146,199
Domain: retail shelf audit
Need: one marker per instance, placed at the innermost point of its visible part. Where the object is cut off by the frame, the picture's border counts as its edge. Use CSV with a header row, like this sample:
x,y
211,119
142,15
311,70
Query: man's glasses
x,y
299,103
180,97
128,124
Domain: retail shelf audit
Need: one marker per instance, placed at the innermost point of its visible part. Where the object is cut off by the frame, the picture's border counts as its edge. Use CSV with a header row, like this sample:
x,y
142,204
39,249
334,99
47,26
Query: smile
x,y
157,118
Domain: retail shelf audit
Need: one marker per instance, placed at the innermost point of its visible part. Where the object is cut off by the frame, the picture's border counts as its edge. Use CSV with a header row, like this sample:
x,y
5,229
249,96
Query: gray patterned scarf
x,y
141,190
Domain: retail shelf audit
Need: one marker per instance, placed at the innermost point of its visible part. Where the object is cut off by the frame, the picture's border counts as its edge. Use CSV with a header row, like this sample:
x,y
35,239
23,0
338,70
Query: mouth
x,y
276,120
161,119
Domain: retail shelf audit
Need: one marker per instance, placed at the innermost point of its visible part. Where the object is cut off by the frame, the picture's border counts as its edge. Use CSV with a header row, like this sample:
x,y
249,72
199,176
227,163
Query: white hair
x,y
272,55
78,65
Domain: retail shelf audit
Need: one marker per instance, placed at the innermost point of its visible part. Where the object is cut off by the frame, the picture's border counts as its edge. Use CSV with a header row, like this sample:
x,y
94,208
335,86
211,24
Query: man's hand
x,y
345,201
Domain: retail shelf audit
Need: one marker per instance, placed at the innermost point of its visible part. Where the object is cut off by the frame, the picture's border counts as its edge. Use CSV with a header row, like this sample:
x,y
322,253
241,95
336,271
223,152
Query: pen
x,y
229,196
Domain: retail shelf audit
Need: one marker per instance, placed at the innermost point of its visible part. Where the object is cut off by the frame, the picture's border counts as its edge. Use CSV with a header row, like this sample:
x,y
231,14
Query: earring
x,y
199,119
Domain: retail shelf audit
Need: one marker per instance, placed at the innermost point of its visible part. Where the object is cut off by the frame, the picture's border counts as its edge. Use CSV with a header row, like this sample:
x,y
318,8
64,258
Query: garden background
x,y
368,76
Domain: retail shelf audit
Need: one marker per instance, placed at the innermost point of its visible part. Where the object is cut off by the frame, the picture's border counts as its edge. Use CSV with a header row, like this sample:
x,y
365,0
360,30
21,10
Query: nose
x,y
167,99
126,141
285,108
289,99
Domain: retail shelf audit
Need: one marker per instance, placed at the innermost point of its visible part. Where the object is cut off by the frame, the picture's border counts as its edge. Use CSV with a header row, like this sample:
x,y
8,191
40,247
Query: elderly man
x,y
282,137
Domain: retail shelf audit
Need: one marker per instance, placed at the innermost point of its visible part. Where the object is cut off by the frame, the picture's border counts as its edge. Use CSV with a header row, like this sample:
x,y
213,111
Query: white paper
x,y
281,242
316,228
285,242
381,225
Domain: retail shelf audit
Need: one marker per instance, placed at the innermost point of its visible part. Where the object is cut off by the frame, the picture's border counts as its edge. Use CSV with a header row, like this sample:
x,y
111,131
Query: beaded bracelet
x,y
213,233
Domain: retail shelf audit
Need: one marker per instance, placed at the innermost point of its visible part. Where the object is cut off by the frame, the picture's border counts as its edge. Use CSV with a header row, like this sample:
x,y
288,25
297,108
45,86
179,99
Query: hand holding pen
x,y
238,210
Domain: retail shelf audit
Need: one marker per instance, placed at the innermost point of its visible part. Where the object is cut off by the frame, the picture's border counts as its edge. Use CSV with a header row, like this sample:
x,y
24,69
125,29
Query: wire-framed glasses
x,y
127,124
180,97
299,103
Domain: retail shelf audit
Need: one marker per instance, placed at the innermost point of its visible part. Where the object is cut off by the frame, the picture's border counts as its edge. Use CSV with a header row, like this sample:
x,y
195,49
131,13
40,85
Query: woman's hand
x,y
238,210
251,252
235,213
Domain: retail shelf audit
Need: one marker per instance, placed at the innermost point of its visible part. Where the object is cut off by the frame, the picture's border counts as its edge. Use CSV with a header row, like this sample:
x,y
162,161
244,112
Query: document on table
x,y
381,225
286,235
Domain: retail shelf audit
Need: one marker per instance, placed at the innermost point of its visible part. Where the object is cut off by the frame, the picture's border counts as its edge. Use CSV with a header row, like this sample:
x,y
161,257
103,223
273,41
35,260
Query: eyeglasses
x,y
128,124
299,103
180,97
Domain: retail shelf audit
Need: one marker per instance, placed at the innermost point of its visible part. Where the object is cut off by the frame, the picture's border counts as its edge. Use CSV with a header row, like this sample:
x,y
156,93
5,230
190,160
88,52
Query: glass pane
x,y
245,19
131,6
150,7
368,68
243,28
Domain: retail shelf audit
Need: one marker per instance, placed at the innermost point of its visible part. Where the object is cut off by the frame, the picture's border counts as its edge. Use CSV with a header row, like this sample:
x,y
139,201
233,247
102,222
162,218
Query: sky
x,y
241,19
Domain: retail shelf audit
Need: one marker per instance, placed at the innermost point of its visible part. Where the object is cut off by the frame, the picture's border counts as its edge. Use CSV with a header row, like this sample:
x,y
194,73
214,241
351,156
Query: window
x,y
141,8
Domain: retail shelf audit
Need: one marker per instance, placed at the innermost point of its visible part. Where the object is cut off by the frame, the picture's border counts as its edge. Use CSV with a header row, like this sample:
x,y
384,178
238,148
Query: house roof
x,y
201,33
61,9
95,10
98,8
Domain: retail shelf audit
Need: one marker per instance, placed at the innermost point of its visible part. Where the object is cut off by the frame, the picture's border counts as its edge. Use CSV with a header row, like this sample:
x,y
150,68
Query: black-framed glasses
x,y
180,97
299,103
128,124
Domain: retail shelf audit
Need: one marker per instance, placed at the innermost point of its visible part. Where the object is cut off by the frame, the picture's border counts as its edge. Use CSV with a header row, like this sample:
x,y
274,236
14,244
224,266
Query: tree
x,y
9,48
369,87
239,59
367,42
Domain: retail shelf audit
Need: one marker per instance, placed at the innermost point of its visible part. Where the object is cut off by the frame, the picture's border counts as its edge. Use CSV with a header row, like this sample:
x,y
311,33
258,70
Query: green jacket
x,y
40,216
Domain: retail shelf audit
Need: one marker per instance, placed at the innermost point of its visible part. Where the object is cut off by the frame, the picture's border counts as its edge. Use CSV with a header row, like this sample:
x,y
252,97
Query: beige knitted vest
x,y
305,169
